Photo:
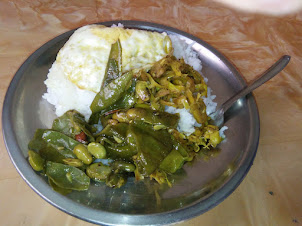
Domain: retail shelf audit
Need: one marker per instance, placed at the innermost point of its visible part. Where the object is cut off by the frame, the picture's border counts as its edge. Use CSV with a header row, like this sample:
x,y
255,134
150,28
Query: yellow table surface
x,y
252,42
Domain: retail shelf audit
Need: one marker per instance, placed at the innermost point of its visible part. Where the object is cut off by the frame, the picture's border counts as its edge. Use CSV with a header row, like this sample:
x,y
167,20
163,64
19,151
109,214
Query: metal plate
x,y
200,185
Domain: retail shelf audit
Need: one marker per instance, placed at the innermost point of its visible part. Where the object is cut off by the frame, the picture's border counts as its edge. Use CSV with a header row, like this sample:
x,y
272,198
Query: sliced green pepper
x,y
71,124
60,141
119,130
56,188
154,117
111,93
114,65
50,153
52,146
162,135
73,162
121,152
124,103
37,143
67,177
172,162
175,160
35,160
152,147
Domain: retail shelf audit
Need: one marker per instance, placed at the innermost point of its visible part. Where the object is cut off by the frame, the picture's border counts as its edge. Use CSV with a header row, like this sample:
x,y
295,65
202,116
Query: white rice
x,y
222,130
186,122
182,49
63,94
209,102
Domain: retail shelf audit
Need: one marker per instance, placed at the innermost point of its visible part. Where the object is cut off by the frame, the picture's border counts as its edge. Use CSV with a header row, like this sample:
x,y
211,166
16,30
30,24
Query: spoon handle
x,y
267,75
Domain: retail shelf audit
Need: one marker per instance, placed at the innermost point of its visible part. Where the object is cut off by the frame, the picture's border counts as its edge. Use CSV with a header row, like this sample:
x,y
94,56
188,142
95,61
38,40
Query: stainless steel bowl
x,y
200,186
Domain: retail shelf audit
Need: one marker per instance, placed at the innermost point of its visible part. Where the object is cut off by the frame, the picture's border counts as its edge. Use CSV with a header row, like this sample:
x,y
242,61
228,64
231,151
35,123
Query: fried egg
x,y
84,57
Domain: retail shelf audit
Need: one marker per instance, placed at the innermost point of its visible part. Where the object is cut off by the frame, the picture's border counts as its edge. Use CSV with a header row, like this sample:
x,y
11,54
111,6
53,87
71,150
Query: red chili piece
x,y
81,137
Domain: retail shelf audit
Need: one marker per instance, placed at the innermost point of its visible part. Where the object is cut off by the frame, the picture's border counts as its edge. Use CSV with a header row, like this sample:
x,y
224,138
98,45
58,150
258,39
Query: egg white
x,y
84,57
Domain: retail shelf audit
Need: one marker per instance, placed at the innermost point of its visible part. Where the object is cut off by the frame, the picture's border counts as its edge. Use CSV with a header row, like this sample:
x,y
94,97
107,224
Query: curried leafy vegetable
x,y
139,138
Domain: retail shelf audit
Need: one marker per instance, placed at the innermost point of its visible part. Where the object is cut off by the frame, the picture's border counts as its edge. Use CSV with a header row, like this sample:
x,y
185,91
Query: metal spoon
x,y
218,116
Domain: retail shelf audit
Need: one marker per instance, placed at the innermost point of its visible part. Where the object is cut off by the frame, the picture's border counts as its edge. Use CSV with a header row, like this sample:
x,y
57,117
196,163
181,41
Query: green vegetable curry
x,y
138,137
